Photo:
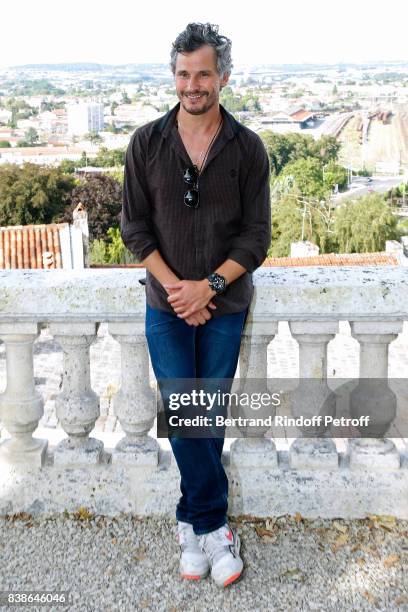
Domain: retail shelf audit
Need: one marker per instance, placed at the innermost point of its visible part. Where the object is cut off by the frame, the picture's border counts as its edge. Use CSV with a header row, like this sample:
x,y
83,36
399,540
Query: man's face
x,y
198,83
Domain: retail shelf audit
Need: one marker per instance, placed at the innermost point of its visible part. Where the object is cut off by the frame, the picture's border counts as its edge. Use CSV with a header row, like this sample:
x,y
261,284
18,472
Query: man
x,y
196,213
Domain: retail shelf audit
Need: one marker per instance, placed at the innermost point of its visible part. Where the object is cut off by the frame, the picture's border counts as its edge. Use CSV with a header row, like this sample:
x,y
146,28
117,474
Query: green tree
x,y
307,176
116,250
363,225
278,150
94,137
32,194
108,158
326,148
283,149
31,137
116,173
4,144
111,251
236,102
12,122
300,146
296,217
97,252
68,166
286,226
333,174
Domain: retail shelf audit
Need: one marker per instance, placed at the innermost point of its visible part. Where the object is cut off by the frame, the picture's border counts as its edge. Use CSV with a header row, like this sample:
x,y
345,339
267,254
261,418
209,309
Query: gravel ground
x,y
131,563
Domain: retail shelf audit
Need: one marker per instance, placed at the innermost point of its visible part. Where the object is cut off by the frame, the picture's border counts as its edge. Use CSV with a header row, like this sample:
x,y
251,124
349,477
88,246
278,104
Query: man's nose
x,y
194,82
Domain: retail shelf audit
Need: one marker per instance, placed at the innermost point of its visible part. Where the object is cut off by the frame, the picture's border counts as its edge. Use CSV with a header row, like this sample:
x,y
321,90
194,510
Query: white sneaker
x,y
222,549
193,562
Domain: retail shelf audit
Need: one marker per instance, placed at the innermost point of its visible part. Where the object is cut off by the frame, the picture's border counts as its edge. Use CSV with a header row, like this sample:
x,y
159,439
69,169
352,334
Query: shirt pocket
x,y
220,193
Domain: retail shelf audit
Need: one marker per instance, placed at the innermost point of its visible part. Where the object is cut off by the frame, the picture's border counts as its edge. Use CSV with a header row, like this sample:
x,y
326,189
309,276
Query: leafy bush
x,y
113,251
33,194
284,149
363,225
102,197
97,252
359,225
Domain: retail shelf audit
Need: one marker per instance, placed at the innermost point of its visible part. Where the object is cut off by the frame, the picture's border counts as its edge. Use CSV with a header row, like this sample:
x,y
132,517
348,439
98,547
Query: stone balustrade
x,y
313,476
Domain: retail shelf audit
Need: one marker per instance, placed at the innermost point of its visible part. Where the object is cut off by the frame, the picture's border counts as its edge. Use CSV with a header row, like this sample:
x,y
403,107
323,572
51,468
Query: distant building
x,y
85,117
134,114
290,121
303,249
5,115
51,156
53,123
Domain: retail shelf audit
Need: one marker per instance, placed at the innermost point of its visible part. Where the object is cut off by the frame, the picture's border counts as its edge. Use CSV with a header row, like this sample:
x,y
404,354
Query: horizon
x,y
289,34
368,62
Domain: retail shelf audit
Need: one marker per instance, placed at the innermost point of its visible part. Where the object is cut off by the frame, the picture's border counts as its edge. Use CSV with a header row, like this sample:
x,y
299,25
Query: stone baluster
x,y
313,399
21,406
254,450
135,403
373,397
77,406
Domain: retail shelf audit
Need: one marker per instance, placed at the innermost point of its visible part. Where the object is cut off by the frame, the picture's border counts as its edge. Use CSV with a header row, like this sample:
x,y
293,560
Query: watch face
x,y
217,282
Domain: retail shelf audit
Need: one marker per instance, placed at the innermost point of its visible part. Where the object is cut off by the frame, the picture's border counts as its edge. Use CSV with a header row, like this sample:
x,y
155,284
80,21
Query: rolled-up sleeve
x,y
250,247
135,223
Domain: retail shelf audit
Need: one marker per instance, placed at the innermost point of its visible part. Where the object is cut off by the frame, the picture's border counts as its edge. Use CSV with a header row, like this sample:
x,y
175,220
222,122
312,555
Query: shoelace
x,y
214,544
186,537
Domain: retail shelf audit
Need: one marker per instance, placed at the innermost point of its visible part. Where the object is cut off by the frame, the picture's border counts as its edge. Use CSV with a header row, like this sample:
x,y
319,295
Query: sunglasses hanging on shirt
x,y
192,196
191,174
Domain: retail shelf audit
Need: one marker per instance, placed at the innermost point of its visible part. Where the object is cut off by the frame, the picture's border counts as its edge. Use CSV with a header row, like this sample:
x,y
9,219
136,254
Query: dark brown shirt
x,y
233,220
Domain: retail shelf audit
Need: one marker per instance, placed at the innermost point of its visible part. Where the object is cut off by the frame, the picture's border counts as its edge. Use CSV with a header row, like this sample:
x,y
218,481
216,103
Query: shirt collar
x,y
165,123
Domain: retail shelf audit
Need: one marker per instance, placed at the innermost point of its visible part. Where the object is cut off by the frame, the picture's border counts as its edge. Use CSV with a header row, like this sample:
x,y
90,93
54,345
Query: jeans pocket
x,y
160,328
159,322
229,325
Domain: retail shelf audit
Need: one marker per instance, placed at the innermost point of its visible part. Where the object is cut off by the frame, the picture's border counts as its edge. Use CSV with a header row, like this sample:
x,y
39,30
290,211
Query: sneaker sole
x,y
186,576
232,578
193,577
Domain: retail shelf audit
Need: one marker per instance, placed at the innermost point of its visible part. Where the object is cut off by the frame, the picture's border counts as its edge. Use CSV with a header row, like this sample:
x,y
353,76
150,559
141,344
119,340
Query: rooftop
x,y
336,259
31,246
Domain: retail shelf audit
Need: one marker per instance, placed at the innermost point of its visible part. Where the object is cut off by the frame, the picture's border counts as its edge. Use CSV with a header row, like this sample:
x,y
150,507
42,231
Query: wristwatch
x,y
217,282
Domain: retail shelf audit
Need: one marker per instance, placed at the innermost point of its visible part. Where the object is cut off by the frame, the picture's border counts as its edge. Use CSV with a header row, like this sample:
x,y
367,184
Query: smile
x,y
193,96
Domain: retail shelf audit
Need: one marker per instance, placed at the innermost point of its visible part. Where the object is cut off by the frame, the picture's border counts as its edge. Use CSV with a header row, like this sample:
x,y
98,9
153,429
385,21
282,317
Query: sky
x,y
262,31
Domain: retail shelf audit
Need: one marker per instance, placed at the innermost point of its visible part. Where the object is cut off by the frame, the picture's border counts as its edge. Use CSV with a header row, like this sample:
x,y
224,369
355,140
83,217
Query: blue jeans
x,y
179,350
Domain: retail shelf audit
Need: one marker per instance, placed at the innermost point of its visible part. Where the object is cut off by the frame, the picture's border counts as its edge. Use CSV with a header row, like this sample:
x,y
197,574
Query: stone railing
x,y
313,476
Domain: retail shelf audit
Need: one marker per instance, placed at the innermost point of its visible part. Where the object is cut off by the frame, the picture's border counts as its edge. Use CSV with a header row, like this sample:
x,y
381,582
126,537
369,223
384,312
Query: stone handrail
x,y
313,300
326,293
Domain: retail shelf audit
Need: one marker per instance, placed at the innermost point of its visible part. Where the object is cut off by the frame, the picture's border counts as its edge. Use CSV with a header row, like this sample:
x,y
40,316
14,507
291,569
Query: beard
x,y
207,102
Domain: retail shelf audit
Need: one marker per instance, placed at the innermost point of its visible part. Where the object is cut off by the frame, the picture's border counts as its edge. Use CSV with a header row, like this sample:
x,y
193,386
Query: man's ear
x,y
224,79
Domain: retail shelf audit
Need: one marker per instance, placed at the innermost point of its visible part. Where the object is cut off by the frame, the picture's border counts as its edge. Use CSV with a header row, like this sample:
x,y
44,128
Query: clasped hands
x,y
191,300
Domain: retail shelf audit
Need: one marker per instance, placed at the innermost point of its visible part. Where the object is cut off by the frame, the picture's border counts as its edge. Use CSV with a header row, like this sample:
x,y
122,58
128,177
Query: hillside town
x,y
336,137
50,113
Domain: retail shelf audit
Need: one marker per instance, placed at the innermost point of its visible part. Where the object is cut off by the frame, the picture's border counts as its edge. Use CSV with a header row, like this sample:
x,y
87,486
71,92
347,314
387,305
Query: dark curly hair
x,y
197,35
